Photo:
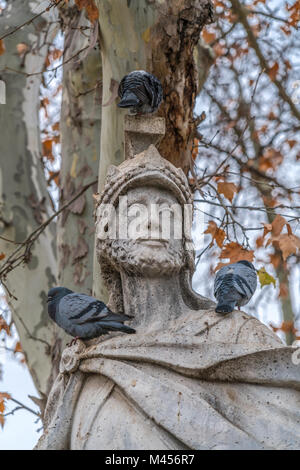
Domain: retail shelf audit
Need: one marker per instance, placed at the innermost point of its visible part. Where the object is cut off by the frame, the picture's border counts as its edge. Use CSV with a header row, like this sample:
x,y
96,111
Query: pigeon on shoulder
x,y
234,285
141,92
83,316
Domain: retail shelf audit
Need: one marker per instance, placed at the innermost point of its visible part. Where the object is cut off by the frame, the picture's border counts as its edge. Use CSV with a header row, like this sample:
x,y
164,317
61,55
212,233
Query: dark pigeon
x,y
234,286
83,316
141,92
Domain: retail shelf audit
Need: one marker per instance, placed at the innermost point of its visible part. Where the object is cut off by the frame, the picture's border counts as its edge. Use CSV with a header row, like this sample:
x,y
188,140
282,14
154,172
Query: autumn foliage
x,y
249,149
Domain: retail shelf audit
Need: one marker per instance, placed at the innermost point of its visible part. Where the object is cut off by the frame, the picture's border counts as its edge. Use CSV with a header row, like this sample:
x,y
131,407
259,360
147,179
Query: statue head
x,y
143,220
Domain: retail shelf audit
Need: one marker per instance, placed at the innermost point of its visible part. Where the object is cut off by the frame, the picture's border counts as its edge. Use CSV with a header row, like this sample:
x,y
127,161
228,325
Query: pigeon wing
x,y
245,280
143,91
81,308
157,93
220,278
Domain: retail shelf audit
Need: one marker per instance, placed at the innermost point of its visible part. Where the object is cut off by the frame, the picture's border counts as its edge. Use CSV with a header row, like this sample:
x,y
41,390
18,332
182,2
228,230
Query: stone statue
x,y
189,378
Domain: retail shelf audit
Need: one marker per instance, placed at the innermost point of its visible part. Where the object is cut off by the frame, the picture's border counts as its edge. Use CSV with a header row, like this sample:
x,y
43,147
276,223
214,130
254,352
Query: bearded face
x,y
149,235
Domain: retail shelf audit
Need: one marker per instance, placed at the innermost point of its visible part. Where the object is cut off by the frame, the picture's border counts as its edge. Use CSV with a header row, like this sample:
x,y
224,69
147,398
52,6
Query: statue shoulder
x,y
236,327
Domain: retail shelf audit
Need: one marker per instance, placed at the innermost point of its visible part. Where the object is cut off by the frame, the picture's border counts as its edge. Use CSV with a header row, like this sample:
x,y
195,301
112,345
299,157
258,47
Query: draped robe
x,y
205,382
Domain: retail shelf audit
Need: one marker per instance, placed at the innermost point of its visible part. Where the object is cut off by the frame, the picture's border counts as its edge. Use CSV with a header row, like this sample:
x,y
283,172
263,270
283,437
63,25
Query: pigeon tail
x,y
115,326
129,99
225,307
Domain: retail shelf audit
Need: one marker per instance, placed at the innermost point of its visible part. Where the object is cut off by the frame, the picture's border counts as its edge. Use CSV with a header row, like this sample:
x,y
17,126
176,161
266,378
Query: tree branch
x,y
53,4
242,14
17,256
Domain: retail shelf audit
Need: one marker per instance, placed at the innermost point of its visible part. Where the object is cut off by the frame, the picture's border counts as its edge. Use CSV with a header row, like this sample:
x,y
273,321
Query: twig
x,y
83,93
54,4
16,258
46,70
238,9
20,407
30,336
10,241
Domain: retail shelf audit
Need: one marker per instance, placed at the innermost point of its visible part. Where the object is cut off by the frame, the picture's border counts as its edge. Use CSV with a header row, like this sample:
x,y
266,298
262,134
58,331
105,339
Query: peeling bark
x,y
80,138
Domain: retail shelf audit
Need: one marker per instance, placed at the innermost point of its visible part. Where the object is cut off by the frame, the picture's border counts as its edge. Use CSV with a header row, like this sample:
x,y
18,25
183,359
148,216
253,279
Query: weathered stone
x,y
189,378
141,132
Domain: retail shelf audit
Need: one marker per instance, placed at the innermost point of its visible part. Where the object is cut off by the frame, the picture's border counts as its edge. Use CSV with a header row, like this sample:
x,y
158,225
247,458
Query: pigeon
x,y
83,316
234,286
141,92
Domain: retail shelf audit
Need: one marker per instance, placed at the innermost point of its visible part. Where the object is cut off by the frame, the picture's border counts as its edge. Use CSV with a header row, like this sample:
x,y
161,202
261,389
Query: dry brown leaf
x,y
292,143
47,149
235,252
207,36
272,72
5,396
271,159
4,326
227,189
277,225
217,233
18,347
195,149
259,242
288,244
90,8
56,54
2,47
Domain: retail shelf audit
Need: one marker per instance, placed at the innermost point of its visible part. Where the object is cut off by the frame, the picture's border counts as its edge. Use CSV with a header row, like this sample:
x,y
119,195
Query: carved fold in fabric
x,y
203,395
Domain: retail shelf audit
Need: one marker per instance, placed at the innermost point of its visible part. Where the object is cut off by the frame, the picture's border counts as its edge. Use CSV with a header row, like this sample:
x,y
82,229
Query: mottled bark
x,y
24,200
159,36
80,139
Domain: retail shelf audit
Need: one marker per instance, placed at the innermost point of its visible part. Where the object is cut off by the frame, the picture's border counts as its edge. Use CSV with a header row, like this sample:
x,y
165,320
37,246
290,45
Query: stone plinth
x,y
141,132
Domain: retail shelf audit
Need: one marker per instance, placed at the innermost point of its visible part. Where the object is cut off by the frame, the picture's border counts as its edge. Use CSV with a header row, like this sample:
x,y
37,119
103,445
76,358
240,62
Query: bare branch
x,y
51,5
18,256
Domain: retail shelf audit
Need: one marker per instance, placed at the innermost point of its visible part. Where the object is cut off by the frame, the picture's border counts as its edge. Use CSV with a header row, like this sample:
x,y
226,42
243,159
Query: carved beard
x,y
136,258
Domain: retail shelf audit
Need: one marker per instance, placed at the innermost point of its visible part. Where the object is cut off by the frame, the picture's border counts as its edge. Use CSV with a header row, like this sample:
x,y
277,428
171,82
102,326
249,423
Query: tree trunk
x,y
80,139
24,202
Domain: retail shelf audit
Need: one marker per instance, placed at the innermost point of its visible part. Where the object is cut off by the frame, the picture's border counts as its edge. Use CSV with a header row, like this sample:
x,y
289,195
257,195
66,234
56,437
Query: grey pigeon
x,y
83,316
141,92
234,286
